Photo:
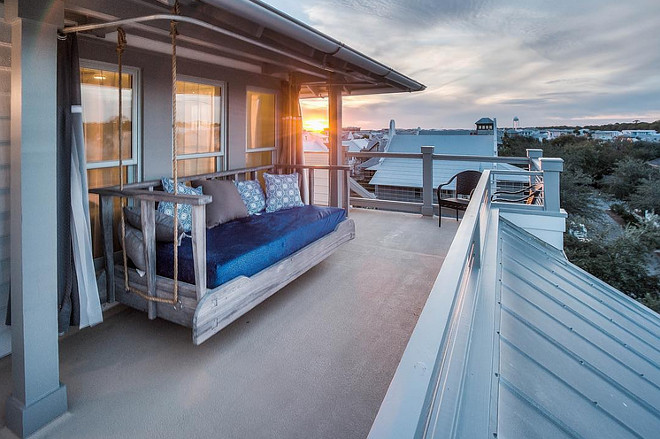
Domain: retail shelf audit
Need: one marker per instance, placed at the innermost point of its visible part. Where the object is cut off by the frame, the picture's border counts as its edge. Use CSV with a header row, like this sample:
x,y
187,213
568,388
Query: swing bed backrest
x,y
148,193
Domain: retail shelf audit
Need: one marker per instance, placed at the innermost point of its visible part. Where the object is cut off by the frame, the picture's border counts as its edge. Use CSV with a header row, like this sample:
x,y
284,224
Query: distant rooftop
x,y
484,120
408,173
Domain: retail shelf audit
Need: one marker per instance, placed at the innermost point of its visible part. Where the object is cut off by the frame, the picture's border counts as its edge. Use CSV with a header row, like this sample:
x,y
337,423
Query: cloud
x,y
546,62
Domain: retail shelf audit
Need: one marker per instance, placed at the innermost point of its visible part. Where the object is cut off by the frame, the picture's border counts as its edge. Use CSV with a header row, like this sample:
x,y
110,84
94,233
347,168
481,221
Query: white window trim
x,y
277,118
221,156
136,122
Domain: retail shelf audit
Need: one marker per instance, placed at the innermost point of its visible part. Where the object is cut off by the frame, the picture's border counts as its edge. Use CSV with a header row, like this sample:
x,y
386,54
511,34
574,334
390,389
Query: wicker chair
x,y
466,182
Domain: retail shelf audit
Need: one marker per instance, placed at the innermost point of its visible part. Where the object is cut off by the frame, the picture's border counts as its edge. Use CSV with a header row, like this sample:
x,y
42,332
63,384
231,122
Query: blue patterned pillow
x,y
252,195
184,211
282,192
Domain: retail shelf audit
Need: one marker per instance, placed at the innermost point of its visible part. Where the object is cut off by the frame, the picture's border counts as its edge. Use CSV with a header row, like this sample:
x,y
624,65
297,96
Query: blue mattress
x,y
246,246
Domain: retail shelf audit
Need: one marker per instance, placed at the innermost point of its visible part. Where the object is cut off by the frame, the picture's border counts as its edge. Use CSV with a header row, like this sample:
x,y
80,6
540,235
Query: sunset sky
x,y
547,62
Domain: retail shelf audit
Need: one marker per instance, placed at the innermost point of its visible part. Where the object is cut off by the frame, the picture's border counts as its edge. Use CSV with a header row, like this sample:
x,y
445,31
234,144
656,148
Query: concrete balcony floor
x,y
313,361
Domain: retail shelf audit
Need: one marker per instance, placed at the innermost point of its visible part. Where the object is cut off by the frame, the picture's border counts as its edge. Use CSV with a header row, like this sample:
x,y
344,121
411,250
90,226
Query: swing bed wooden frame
x,y
205,310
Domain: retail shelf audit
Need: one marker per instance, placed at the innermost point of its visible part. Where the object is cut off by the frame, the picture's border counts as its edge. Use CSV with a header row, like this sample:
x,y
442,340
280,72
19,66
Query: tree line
x,y
601,174
619,126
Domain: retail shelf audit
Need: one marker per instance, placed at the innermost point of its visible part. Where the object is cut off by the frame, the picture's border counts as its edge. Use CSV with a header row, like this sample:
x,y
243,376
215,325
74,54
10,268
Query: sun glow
x,y
317,125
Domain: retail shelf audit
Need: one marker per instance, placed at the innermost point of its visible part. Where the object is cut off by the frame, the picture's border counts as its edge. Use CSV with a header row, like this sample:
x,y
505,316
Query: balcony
x,y
314,360
362,344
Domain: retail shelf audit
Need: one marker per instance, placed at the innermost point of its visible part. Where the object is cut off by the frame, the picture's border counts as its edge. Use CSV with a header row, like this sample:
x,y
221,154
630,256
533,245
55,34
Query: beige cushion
x,y
227,203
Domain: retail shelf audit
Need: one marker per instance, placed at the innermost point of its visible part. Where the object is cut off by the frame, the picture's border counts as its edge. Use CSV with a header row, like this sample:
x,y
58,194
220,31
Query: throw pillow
x,y
252,195
164,223
227,203
134,246
282,192
184,211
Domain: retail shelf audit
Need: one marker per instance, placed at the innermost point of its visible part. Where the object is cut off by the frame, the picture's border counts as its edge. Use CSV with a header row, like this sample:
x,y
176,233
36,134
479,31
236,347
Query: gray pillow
x,y
134,246
227,203
164,223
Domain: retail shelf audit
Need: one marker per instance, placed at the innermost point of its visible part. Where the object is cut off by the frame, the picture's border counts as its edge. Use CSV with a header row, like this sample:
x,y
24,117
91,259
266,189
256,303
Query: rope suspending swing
x,y
121,46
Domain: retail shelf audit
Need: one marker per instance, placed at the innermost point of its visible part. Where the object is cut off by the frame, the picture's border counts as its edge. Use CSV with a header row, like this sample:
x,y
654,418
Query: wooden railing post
x,y
347,191
199,248
148,219
311,186
427,180
552,168
106,205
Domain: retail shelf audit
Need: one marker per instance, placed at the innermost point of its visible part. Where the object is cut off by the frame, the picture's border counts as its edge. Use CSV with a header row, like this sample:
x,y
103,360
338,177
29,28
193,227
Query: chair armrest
x,y
444,184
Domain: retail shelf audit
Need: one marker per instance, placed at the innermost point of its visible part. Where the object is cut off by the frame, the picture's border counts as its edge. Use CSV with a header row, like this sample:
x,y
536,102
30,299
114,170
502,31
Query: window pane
x,y
100,102
199,117
253,159
261,120
197,166
100,178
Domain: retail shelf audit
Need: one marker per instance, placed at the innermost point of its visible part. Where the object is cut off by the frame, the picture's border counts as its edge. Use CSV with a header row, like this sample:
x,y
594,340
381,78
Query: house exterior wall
x,y
156,101
5,97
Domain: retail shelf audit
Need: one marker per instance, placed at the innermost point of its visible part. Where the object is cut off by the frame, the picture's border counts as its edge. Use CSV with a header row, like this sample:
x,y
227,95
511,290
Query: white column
x,y
336,150
37,394
552,169
427,180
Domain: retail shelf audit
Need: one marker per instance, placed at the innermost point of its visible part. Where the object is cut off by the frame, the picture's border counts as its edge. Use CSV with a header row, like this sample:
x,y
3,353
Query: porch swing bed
x,y
224,271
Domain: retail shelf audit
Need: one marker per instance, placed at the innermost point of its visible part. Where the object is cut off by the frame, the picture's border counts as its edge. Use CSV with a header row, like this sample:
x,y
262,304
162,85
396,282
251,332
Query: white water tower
x,y
516,123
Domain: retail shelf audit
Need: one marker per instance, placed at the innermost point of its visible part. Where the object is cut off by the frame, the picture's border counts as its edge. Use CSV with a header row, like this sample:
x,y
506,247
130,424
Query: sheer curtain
x,y
79,302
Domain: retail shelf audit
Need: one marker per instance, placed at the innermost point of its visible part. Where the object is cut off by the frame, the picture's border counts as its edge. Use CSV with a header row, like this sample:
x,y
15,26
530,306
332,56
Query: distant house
x,y
646,135
556,133
605,135
401,179
485,124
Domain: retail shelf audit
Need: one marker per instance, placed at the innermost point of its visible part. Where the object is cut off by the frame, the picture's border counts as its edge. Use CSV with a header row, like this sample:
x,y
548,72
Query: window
x,y
261,134
200,126
100,105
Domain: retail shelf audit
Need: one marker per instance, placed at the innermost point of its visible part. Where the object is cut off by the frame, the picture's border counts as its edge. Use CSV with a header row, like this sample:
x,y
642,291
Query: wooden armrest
x,y
157,196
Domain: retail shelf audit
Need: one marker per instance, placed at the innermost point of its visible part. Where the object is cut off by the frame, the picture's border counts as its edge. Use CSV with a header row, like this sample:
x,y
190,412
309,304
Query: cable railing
x,y
535,187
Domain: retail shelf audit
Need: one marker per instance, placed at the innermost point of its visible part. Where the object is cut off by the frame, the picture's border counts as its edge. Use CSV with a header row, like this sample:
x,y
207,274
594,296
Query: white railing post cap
x,y
534,153
552,164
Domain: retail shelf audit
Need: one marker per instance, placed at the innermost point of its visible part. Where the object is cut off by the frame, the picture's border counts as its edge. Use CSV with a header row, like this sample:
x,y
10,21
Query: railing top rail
x,y
512,172
446,157
482,158
417,369
391,155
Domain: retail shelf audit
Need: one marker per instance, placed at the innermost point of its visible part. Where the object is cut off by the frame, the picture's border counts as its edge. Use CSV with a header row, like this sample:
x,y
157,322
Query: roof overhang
x,y
249,35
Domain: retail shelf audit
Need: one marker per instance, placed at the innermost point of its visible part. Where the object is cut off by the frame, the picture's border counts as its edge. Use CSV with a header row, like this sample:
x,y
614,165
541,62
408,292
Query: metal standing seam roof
x,y
577,358
569,355
408,172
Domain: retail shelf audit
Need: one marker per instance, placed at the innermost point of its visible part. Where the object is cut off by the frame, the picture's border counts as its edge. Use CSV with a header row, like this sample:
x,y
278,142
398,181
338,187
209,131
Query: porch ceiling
x,y
258,38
